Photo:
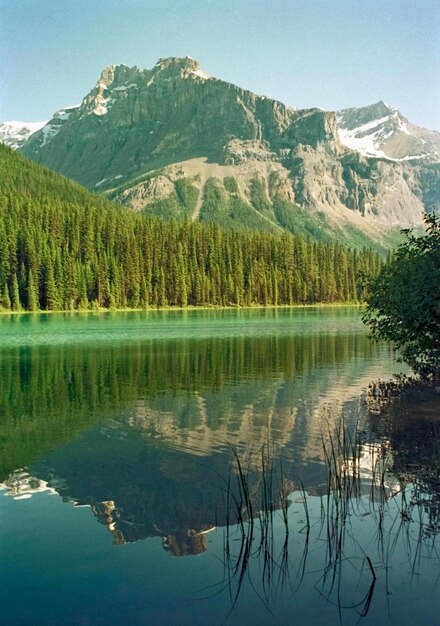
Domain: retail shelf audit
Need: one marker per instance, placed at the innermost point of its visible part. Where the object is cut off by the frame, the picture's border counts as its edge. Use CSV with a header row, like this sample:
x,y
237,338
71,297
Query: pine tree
x,y
51,301
32,294
15,299
6,300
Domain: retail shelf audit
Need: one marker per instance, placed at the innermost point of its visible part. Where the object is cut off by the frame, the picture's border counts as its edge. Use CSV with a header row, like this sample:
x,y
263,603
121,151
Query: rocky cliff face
x,y
135,120
139,132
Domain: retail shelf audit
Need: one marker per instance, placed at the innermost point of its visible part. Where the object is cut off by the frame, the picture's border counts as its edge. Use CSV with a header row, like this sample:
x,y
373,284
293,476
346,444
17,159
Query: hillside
x,y
23,182
62,247
170,139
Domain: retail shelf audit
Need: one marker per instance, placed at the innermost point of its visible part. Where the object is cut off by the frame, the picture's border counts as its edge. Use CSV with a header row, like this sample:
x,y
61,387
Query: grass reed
x,y
261,546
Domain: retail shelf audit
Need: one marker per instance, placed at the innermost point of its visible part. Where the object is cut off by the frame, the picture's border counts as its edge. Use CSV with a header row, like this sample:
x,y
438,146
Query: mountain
x,y
381,131
15,134
176,142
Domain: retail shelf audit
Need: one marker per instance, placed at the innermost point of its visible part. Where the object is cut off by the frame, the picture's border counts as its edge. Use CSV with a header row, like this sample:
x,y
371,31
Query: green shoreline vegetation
x,y
64,248
403,301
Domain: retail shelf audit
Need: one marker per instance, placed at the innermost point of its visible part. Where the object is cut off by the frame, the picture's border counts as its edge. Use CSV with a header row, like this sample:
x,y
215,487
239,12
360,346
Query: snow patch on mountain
x,y
20,485
364,145
49,132
201,74
125,87
403,126
16,134
52,128
64,114
366,138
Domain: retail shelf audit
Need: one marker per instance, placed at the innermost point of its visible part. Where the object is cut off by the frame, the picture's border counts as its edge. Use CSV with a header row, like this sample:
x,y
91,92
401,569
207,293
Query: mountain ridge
x,y
137,133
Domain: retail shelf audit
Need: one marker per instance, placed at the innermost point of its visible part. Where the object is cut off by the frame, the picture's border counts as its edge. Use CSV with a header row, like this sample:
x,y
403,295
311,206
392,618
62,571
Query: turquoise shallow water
x,y
133,327
116,432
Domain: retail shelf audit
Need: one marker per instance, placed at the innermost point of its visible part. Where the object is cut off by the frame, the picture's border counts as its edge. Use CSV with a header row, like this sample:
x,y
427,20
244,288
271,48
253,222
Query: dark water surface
x,y
117,438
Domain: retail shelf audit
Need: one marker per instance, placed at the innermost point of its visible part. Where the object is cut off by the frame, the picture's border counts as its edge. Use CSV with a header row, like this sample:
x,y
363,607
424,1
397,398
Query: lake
x,y
211,467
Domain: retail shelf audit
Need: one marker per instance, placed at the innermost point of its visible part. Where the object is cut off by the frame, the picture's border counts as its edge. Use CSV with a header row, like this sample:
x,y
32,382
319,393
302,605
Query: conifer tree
x,y
6,300
32,295
15,299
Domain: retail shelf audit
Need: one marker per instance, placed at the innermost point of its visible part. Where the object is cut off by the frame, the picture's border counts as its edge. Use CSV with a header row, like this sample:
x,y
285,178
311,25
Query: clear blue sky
x,y
327,53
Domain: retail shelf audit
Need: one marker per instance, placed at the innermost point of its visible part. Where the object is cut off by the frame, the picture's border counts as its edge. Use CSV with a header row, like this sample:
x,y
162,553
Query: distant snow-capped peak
x,y
381,131
15,134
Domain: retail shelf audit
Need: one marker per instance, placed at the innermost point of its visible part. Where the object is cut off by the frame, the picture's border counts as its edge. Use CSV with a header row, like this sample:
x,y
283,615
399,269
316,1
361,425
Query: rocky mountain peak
x,y
120,77
179,66
107,74
184,63
114,76
355,117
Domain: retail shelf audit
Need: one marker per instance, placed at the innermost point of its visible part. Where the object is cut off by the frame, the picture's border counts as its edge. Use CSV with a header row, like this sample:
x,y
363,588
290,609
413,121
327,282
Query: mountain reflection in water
x,y
141,432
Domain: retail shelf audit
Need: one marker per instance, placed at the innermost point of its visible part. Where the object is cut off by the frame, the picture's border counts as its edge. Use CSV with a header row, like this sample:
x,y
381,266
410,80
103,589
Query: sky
x,y
331,54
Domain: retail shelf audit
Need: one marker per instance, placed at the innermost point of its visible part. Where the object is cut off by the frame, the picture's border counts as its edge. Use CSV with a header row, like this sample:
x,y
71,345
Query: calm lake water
x,y
121,490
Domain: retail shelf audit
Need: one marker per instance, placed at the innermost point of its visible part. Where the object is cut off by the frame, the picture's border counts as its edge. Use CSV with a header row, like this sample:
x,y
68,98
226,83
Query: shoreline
x,y
251,307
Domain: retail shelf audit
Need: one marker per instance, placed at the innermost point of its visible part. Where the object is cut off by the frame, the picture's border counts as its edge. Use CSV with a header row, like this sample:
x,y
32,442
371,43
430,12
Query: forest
x,y
64,248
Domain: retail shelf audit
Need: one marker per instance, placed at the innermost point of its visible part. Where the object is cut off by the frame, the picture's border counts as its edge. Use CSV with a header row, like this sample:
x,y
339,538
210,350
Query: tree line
x,y
63,248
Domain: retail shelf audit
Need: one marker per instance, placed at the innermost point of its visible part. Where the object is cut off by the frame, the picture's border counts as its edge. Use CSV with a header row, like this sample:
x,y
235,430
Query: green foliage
x,y
63,247
223,205
187,193
298,221
167,208
230,184
6,300
403,303
179,205
215,198
259,198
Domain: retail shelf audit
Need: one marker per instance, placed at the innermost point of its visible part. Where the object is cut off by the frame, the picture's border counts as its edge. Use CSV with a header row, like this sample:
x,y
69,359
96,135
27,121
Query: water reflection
x,y
410,426
141,433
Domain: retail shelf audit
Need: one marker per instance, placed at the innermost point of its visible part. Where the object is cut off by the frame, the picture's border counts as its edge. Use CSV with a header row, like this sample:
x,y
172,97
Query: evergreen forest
x,y
64,248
